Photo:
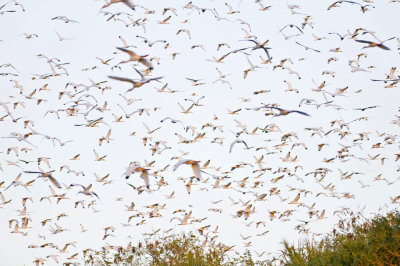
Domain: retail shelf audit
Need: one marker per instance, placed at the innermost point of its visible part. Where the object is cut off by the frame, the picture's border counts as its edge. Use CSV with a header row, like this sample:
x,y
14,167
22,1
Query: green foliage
x,y
356,241
185,249
372,242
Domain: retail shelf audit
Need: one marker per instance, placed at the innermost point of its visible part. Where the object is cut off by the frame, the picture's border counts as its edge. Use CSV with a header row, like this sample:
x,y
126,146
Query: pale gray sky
x,y
96,35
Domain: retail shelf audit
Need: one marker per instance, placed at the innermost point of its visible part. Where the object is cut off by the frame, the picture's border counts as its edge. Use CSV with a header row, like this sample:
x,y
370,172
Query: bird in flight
x,y
237,141
65,19
285,112
129,3
43,173
86,190
375,44
194,164
260,46
135,83
134,57
134,167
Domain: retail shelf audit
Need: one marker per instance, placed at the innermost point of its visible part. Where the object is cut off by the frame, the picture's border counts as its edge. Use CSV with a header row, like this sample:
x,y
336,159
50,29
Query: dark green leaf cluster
x,y
371,242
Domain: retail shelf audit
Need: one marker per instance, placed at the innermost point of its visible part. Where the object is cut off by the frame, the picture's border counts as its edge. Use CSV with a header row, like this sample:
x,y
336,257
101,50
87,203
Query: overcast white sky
x,y
96,35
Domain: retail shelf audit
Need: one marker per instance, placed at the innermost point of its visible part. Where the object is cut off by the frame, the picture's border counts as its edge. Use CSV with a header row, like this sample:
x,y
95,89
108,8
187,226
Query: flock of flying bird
x,y
264,163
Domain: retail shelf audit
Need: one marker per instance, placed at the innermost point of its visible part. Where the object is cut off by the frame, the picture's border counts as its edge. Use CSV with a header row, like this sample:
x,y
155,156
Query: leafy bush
x,y
371,242
355,241
185,249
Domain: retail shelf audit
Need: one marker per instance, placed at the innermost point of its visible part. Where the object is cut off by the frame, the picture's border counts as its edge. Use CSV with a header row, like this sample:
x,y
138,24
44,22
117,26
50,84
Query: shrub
x,y
356,241
184,249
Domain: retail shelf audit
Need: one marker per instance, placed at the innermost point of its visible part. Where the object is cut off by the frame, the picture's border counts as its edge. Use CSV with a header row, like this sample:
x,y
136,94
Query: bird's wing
x,y
383,47
250,63
54,181
165,20
274,107
96,155
52,191
131,53
351,2
298,29
363,41
266,51
156,79
77,185
145,177
32,172
147,128
2,197
302,113
130,170
229,7
130,4
140,73
231,146
329,7
245,144
196,171
46,161
183,109
94,193
284,28
132,186
190,107
121,79
179,164
297,198
252,41
222,57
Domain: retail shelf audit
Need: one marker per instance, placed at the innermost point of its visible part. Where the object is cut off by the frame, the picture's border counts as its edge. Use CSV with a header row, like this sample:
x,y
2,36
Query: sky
x,y
352,117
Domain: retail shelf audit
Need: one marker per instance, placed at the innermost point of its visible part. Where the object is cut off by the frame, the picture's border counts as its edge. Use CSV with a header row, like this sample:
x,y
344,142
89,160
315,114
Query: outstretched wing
x,y
179,164
302,113
131,53
54,181
363,41
145,177
121,79
146,62
196,171
129,4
